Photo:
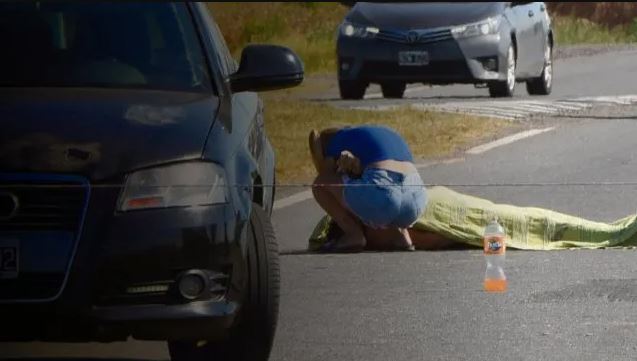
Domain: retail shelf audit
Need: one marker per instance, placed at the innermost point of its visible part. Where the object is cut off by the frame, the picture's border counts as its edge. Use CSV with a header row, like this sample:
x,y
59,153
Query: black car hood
x,y
100,133
421,15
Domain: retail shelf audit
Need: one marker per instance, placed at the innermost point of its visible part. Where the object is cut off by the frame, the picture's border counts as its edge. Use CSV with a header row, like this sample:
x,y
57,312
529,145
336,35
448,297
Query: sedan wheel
x,y
543,84
505,88
252,335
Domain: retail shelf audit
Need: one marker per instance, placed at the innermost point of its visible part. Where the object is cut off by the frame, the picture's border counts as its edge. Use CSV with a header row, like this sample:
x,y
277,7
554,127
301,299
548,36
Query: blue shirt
x,y
370,144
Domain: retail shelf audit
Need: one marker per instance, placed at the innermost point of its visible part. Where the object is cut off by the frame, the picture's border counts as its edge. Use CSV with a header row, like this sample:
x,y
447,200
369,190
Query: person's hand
x,y
349,164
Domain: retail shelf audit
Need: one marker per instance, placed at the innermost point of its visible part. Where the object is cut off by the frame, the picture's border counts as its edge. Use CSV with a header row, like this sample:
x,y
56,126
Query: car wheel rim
x,y
511,70
548,67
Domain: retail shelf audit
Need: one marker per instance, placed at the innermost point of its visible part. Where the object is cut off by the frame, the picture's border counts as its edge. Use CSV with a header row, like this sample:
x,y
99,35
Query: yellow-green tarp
x,y
462,218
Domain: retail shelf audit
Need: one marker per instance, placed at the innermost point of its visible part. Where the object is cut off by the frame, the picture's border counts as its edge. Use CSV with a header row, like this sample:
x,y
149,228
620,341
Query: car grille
x,y
50,206
456,69
415,36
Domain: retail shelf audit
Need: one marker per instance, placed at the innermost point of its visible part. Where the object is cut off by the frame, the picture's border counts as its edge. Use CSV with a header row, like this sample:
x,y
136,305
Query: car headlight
x,y
486,27
358,31
178,185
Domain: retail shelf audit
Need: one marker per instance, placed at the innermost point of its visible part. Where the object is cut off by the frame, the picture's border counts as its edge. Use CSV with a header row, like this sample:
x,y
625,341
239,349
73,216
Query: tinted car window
x,y
146,45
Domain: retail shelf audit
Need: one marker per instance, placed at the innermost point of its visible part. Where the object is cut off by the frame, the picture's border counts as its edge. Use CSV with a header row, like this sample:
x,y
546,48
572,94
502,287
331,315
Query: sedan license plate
x,y
9,258
413,58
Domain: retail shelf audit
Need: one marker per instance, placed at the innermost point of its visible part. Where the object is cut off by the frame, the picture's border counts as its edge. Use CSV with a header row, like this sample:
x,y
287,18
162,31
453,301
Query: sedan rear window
x,y
92,44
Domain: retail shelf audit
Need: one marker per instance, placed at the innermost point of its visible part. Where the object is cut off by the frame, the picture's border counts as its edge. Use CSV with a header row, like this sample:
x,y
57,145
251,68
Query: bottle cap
x,y
494,227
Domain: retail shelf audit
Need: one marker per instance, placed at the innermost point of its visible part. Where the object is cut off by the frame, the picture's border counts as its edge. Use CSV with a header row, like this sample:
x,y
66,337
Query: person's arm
x,y
317,144
349,164
316,152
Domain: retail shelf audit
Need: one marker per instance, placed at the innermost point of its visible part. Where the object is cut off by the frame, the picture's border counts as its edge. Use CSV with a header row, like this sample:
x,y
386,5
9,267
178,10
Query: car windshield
x,y
131,45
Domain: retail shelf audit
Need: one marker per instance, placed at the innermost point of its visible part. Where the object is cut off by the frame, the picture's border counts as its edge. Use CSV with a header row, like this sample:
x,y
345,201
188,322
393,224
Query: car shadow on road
x,y
455,247
450,97
403,100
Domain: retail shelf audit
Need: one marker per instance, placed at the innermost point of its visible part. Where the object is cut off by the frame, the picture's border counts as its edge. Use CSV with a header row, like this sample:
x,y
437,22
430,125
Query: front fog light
x,y
178,185
191,285
491,65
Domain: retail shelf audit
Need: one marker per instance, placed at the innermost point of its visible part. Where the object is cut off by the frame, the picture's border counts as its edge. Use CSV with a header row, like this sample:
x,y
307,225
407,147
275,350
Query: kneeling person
x,y
368,184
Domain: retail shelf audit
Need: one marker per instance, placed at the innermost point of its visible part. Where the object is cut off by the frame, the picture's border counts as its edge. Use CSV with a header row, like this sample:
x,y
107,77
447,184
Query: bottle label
x,y
494,245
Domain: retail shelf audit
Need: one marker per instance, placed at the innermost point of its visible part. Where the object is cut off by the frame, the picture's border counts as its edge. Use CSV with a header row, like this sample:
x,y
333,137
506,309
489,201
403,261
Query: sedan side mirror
x,y
267,67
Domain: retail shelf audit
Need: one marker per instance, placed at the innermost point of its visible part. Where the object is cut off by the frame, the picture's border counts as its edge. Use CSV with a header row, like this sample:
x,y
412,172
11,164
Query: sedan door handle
x,y
531,13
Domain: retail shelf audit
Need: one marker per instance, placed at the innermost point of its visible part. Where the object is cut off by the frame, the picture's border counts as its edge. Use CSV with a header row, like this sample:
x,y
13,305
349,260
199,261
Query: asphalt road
x,y
562,305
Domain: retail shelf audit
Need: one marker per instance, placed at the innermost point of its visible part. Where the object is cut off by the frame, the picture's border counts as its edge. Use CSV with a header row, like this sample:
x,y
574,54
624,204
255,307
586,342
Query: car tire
x,y
543,85
506,88
252,335
352,89
394,90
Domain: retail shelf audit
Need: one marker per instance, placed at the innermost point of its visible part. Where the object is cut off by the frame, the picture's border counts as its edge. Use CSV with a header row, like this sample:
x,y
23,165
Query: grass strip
x,y
572,31
429,134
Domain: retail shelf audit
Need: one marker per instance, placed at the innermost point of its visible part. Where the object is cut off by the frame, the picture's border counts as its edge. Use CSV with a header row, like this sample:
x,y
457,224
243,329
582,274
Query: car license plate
x,y
9,258
413,58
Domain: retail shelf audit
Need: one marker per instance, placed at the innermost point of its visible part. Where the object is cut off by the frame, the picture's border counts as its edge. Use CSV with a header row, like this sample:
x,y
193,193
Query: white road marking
x,y
570,105
292,200
376,107
535,108
514,109
483,111
507,140
498,109
617,99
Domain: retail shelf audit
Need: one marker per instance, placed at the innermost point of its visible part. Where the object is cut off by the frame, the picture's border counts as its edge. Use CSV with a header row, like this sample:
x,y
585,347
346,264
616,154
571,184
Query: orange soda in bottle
x,y
494,254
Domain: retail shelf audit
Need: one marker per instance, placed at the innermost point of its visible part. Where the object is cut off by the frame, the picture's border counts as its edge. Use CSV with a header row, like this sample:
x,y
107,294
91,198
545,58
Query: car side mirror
x,y
267,67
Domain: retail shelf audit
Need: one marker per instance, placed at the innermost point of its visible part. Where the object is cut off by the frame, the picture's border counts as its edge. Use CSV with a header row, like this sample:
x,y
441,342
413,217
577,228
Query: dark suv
x,y
136,179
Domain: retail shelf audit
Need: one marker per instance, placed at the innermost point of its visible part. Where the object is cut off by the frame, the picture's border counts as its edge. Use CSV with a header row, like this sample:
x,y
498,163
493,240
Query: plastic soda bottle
x,y
494,254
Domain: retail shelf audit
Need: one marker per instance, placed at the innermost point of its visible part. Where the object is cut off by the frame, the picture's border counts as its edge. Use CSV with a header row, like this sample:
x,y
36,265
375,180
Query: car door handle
x,y
531,13
542,8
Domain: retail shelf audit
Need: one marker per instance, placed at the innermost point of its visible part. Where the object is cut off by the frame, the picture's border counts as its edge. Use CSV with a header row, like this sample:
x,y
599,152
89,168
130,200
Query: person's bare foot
x,y
403,242
389,239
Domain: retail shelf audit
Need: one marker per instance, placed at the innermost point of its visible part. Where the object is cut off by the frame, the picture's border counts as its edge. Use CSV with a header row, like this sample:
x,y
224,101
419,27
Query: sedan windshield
x,y
129,45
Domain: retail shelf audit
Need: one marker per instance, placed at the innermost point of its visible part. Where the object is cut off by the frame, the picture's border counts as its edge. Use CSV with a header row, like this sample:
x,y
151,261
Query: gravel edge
x,y
573,51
